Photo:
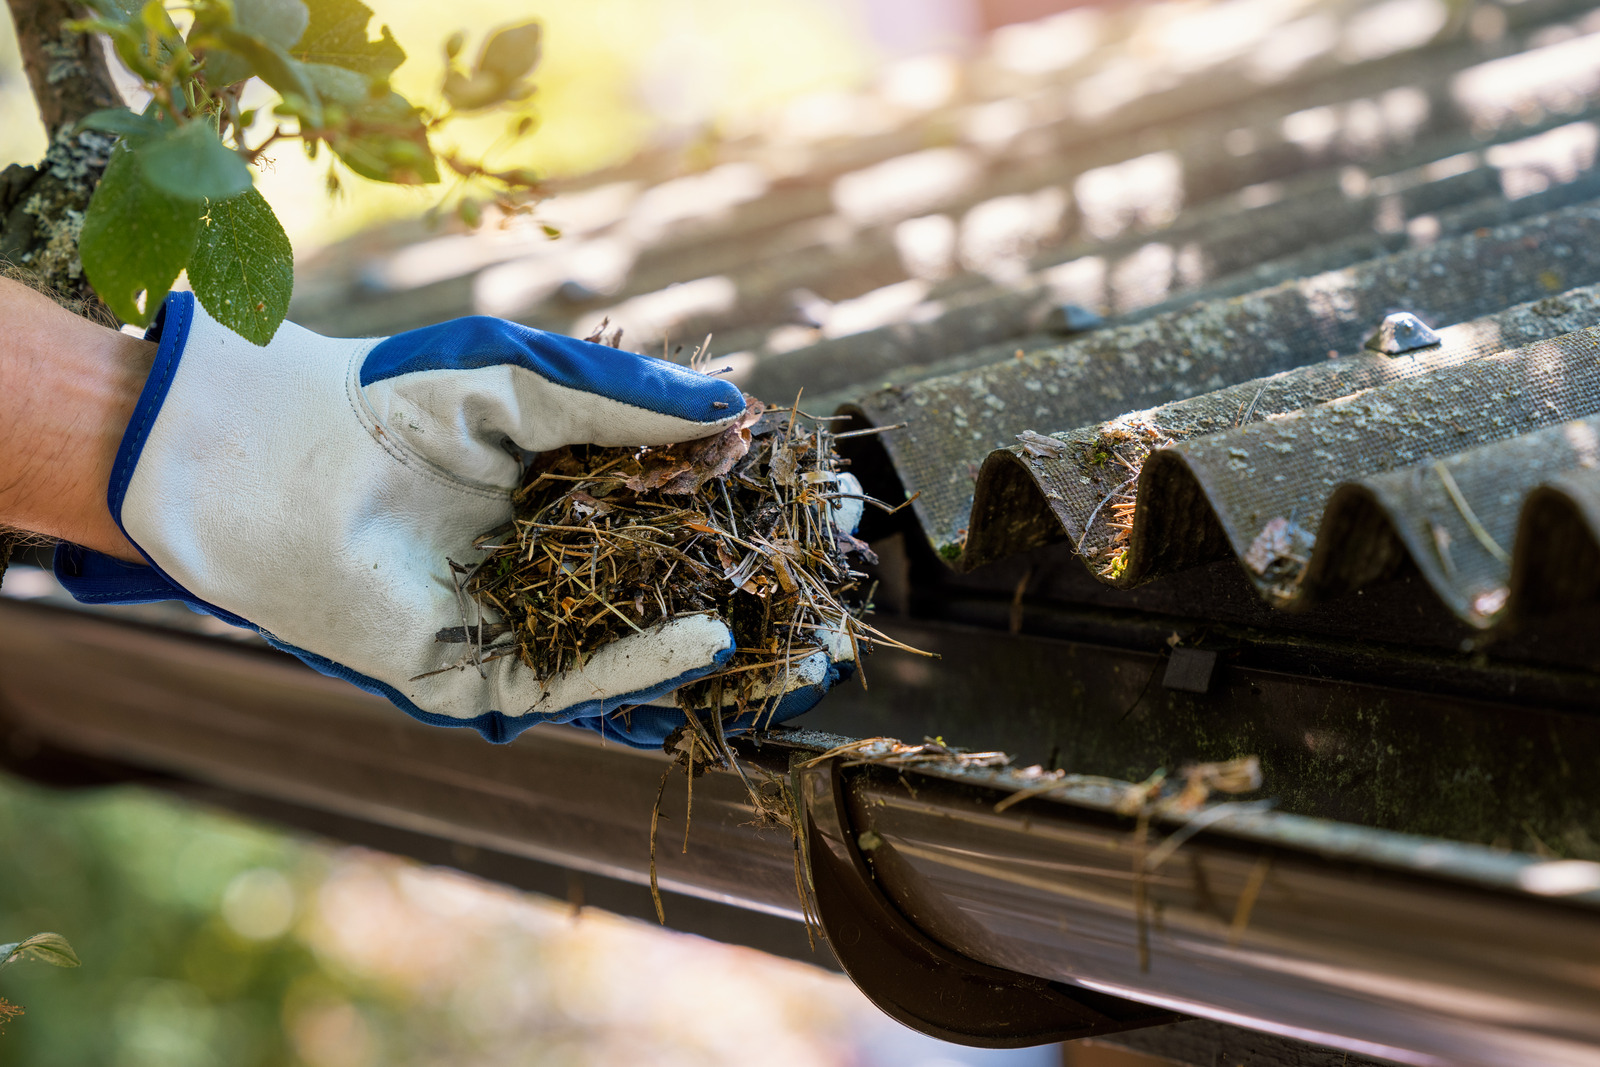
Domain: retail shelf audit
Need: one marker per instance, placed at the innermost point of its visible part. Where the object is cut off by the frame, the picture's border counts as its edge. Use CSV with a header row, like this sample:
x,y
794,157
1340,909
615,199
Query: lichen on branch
x,y
42,207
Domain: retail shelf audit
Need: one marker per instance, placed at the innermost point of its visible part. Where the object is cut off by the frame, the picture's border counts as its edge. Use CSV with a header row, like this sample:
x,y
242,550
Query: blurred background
x,y
208,940
616,75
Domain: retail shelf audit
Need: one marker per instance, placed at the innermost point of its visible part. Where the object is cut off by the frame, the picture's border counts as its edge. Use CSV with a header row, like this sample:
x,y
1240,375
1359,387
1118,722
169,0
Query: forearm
x,y
67,390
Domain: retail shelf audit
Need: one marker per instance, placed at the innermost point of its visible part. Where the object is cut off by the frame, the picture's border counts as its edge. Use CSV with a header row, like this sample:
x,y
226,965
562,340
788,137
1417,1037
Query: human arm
x,y
67,389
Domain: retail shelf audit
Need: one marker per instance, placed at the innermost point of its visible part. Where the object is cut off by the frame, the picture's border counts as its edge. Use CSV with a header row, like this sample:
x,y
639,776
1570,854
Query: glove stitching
x,y
398,451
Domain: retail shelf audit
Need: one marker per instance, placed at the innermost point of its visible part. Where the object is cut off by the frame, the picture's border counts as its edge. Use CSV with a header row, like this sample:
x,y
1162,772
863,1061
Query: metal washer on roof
x,y
1400,333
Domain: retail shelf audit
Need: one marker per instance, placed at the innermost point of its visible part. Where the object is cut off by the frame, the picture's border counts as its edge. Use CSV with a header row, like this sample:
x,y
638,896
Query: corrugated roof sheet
x,y
1240,191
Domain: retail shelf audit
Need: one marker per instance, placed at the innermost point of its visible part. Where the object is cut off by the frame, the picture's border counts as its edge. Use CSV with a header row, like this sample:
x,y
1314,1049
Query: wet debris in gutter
x,y
743,525
1279,555
1160,796
606,542
889,752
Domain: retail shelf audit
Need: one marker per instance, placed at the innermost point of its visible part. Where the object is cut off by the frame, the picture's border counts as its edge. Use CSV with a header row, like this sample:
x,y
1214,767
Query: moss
x,y
45,221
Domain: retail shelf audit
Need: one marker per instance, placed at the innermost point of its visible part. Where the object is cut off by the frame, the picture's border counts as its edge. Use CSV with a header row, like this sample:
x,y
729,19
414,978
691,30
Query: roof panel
x,y
1241,203
953,422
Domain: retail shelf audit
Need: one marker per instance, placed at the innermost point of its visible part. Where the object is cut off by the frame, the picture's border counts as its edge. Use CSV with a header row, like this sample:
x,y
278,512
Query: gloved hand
x,y
314,490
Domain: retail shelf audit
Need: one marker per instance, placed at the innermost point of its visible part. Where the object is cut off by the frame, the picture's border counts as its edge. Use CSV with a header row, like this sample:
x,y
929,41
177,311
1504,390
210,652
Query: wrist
x,y
70,387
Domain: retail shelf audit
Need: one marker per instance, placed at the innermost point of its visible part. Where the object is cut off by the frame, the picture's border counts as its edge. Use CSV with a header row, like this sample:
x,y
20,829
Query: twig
x,y
1251,410
655,815
1029,792
1247,901
1088,524
603,601
1205,819
1484,539
874,501
867,432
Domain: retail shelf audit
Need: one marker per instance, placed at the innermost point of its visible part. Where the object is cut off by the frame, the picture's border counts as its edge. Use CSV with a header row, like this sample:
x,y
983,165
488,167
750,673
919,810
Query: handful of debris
x,y
745,525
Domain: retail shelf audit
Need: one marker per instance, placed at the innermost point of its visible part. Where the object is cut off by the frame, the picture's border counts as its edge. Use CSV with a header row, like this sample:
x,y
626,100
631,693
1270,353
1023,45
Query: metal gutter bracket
x,y
917,981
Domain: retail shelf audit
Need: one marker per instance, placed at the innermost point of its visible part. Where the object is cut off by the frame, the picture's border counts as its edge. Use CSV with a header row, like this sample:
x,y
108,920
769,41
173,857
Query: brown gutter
x,y
1408,948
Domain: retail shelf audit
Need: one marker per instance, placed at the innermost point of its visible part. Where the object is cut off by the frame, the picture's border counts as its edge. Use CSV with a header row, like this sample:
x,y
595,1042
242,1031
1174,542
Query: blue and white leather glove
x,y
314,489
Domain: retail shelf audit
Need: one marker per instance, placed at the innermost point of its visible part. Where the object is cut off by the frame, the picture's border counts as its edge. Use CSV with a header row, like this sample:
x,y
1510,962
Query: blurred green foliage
x,y
613,74
180,182
136,882
208,941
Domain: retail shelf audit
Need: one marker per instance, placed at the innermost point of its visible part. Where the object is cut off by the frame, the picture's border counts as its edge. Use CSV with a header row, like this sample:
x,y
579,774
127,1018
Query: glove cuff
x,y
93,578
171,333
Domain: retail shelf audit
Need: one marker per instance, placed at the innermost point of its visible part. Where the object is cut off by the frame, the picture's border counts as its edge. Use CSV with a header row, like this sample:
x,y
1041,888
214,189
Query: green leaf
x,y
511,53
242,268
507,56
47,947
155,19
191,162
471,93
283,22
136,239
396,151
338,85
382,137
337,36
272,65
121,10
279,23
122,122
129,42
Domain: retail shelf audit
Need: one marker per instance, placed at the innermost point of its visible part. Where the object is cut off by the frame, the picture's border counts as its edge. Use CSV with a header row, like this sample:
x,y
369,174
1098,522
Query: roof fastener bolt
x,y
1071,318
1400,333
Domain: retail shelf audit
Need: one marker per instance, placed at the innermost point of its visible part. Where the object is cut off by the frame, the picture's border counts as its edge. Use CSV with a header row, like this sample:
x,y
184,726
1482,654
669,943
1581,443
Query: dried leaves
x,y
685,469
1037,444
1279,555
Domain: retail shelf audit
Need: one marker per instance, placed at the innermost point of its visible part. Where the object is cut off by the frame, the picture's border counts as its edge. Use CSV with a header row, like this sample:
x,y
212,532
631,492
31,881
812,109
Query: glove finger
x,y
649,725
634,670
646,726
467,698
822,668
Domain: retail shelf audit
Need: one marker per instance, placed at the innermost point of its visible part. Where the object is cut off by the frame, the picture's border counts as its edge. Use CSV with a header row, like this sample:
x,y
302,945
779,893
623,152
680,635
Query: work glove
x,y
315,489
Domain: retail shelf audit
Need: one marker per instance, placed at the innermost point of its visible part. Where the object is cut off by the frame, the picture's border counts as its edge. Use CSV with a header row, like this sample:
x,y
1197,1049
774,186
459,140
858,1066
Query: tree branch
x,y
42,208
67,71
